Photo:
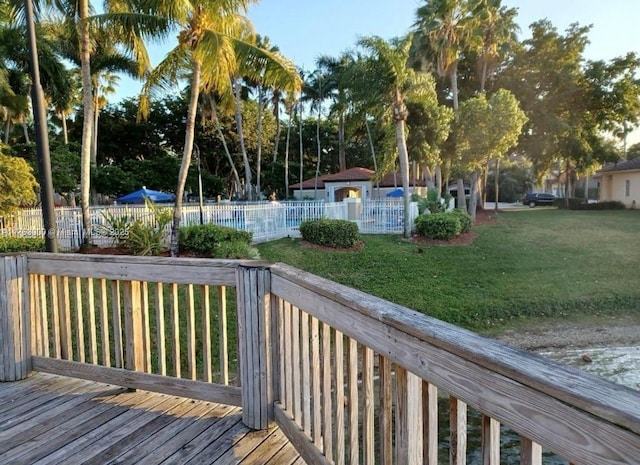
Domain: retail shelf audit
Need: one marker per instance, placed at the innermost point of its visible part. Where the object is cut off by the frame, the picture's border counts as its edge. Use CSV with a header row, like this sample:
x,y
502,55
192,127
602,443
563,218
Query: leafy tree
x,y
17,183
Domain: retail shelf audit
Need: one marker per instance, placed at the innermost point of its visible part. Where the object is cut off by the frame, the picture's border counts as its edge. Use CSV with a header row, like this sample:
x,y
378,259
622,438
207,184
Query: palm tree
x,y
445,27
389,80
215,43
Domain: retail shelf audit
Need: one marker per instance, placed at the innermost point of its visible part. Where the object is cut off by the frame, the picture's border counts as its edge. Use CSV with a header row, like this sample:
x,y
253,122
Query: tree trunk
x,y
483,76
438,175
94,134
259,154
243,149
473,197
496,183
403,157
462,201
277,141
186,155
342,156
315,186
454,89
224,144
87,123
65,131
25,130
286,161
373,154
7,130
301,153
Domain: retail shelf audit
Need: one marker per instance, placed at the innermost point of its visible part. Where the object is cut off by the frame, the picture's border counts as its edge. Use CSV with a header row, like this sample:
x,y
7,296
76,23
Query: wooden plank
x,y
15,332
36,325
66,346
116,321
352,366
180,270
136,380
530,452
411,339
160,336
574,387
307,449
23,291
275,340
55,316
430,422
104,324
316,395
327,401
222,335
368,405
7,359
282,343
205,315
490,441
175,331
288,360
295,361
457,432
44,319
191,332
306,373
134,356
340,399
79,320
385,427
409,435
146,327
93,338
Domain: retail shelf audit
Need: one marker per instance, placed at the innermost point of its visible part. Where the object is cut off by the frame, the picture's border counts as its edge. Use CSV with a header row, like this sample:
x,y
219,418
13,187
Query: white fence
x,y
267,221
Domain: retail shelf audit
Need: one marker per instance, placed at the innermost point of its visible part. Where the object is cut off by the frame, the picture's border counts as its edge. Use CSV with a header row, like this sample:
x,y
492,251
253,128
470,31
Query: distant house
x,y
621,181
354,183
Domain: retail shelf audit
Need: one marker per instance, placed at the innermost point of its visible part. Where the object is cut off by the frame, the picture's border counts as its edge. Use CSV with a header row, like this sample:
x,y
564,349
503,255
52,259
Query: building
x,y
621,181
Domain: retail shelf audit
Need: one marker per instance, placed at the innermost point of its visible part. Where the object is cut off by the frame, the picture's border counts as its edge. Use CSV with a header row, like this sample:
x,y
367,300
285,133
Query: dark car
x,y
536,198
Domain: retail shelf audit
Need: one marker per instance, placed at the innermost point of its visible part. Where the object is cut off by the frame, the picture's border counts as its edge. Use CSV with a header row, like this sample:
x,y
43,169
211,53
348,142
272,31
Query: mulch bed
x,y
482,217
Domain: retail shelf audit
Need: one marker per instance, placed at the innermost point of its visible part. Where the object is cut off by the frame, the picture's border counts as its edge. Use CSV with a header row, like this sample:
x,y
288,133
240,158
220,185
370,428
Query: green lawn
x,y
530,263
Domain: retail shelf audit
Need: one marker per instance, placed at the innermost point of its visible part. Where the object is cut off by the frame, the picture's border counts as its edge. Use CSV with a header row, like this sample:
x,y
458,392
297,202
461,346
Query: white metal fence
x,y
267,221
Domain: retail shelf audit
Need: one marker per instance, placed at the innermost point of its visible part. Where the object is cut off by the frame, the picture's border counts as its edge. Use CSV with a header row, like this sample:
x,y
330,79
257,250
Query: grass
x,y
529,264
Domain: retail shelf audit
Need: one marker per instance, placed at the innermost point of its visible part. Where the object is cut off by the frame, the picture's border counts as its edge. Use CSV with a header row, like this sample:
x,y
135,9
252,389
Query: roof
x,y
355,174
624,165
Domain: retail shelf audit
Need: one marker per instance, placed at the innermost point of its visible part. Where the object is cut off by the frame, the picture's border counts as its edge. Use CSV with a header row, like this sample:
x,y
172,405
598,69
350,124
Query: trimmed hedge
x,y
209,239
465,219
339,234
580,204
21,244
442,226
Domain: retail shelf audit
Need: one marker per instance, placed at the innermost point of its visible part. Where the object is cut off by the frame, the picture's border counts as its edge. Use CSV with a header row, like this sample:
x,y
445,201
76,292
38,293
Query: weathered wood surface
x,y
180,270
137,380
73,421
600,420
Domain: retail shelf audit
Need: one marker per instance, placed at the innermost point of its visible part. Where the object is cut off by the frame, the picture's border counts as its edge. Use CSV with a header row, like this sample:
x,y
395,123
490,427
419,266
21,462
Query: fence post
x,y
15,319
134,353
257,342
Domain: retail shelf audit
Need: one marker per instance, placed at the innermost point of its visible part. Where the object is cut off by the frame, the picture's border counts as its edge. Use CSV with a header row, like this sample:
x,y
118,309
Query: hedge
x,y
339,234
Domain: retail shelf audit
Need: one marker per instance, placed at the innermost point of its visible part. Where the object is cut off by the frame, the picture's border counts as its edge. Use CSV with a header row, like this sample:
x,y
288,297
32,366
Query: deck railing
x,y
349,378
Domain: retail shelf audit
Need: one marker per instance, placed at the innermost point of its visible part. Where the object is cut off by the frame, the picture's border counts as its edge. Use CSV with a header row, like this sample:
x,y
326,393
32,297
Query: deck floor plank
x,y
52,419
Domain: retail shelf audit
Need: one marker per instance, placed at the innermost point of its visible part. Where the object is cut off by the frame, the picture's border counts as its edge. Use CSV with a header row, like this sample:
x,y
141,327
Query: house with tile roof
x,y
621,181
354,183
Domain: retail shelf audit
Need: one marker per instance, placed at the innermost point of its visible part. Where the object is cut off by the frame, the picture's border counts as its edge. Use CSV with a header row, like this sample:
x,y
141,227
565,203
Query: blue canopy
x,y
139,195
396,193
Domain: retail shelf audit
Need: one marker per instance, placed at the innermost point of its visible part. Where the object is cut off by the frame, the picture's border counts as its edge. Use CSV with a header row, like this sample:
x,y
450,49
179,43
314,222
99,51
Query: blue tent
x,y
139,195
396,193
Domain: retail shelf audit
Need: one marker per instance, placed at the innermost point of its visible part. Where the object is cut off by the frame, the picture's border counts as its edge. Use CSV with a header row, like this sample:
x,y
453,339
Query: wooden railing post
x,y
257,341
134,349
15,319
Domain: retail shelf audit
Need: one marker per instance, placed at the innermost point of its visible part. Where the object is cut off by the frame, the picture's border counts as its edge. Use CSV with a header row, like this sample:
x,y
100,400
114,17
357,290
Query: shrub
x,y
340,234
21,244
438,225
581,204
116,227
236,249
433,202
148,238
465,219
205,239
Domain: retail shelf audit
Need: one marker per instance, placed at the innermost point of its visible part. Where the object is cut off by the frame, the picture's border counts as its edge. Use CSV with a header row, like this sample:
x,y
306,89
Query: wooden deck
x,y
49,419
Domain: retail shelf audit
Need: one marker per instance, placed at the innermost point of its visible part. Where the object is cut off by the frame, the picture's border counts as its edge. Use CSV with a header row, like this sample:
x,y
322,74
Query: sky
x,y
307,29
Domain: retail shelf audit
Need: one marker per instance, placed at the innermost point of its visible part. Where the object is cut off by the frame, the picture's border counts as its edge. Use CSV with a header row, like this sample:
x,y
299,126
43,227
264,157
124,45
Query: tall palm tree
x,y
215,43
391,81
446,27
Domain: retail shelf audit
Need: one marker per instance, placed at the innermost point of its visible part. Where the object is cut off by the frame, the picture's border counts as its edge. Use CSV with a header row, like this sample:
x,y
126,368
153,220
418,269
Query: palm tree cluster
x,y
445,102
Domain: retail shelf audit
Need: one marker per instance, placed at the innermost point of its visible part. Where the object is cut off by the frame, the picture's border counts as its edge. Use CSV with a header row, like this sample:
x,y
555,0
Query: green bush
x,y
465,219
580,204
147,238
21,244
237,250
433,202
340,234
438,226
206,239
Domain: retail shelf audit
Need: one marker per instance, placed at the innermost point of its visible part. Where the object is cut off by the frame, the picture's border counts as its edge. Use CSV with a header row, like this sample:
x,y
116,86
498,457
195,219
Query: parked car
x,y
537,198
